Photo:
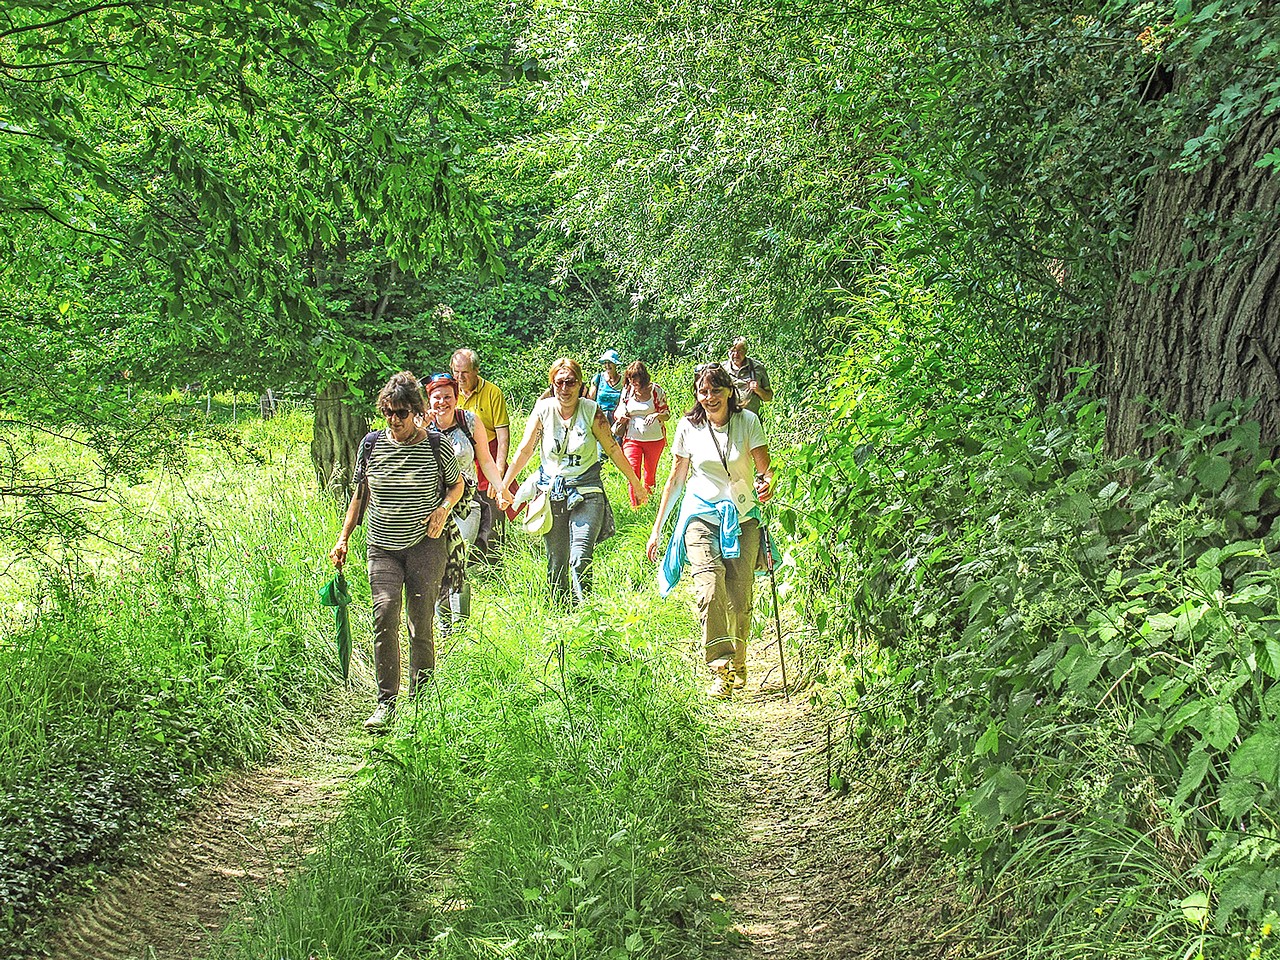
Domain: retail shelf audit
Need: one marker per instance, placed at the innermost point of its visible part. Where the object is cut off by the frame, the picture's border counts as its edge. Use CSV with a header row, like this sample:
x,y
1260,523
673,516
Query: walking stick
x,y
777,616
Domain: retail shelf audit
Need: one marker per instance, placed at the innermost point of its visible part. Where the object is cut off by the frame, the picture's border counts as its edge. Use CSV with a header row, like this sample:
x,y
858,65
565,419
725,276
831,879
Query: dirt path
x,y
816,876
250,831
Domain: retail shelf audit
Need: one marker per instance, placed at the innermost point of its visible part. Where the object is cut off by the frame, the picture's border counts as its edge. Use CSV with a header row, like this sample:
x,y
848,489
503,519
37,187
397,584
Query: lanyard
x,y
716,443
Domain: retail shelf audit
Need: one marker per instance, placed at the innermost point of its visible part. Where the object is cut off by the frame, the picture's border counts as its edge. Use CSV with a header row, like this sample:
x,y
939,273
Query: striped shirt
x,y
404,489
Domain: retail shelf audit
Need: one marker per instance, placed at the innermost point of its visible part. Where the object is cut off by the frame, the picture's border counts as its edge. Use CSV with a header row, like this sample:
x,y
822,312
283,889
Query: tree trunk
x,y
1196,315
335,439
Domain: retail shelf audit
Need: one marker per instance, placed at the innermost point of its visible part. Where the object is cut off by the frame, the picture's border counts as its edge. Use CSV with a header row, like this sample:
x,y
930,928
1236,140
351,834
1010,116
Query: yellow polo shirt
x,y
488,404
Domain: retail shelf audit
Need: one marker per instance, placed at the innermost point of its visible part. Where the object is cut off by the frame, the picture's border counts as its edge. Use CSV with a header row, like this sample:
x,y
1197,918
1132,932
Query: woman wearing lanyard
x,y
721,461
470,441
570,432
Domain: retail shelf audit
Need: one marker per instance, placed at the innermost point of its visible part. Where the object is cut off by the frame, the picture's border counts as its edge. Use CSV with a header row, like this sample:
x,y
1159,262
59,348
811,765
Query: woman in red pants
x,y
641,423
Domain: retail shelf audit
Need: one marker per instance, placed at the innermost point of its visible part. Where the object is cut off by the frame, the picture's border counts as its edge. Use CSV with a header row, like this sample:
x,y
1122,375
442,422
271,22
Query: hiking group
x,y
436,485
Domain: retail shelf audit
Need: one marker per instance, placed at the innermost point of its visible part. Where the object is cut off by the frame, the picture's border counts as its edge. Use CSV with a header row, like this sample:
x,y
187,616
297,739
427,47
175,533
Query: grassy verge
x,y
147,671
549,797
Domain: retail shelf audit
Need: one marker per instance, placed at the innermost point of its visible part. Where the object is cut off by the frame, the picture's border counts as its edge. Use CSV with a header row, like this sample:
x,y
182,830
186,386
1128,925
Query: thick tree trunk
x,y
335,439
1196,316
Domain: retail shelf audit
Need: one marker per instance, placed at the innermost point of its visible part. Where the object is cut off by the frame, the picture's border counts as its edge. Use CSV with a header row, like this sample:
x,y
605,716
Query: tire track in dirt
x,y
816,877
245,834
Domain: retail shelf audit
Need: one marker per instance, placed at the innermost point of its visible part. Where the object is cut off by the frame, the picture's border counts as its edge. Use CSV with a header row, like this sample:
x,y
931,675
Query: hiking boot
x,y
721,687
381,717
739,676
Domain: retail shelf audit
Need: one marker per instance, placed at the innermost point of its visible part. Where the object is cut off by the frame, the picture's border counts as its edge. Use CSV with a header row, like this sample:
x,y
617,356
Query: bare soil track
x,y
248,832
815,875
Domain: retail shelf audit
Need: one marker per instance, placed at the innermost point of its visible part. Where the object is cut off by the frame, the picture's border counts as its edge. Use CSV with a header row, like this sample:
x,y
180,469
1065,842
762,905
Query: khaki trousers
x,y
722,588
410,580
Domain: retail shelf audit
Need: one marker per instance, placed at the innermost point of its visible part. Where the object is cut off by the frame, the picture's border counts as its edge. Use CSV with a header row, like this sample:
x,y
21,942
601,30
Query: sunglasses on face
x,y
398,413
566,384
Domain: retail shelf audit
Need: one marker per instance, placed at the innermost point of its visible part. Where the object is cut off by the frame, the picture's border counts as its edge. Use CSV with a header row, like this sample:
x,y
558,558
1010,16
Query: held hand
x,y
338,555
503,499
764,489
435,523
642,497
651,548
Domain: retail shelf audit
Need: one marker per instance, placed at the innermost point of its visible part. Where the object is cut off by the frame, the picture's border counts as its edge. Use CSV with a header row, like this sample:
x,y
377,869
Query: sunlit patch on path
x,y
816,878
246,834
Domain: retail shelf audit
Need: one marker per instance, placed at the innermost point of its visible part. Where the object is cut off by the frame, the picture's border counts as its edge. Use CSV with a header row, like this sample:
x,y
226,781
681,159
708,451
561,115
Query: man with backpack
x,y
750,378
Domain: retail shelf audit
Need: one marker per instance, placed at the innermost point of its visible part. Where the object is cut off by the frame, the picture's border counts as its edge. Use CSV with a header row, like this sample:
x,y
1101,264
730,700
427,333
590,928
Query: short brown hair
x,y
402,390
638,373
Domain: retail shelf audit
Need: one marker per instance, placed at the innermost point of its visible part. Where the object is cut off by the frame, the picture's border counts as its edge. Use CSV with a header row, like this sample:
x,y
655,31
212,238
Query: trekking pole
x,y
777,616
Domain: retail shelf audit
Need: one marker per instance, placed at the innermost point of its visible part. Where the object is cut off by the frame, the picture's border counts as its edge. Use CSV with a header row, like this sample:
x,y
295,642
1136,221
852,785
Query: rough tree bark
x,y
1196,315
335,440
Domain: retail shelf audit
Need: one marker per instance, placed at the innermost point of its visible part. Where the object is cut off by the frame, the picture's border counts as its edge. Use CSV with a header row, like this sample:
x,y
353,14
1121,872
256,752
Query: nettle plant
x,y
1086,648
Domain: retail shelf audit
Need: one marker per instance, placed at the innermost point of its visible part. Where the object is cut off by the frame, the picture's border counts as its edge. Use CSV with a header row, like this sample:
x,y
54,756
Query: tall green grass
x,y
551,795
141,671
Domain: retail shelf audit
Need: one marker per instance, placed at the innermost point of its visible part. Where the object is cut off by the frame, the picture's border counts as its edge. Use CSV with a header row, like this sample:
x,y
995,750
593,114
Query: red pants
x,y
648,452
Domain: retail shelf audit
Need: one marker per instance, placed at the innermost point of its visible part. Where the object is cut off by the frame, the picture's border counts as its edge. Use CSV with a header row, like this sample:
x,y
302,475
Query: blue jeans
x,y
571,543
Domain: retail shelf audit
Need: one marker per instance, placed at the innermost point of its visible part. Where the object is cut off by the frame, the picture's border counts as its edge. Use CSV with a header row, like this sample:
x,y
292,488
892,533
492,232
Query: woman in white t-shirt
x,y
722,465
570,431
641,422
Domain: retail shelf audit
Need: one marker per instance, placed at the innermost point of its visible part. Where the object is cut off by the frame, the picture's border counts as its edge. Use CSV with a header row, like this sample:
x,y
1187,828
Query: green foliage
x,y
124,688
1085,648
547,796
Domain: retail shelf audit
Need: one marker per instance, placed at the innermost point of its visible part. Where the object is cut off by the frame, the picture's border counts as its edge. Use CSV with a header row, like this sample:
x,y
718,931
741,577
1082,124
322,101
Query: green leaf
x,y
1196,909
1237,797
634,942
1193,775
989,742
1214,473
1222,726
1259,755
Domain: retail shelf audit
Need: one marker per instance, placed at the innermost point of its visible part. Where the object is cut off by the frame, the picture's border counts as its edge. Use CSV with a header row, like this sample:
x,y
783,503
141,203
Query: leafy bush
x,y
1083,650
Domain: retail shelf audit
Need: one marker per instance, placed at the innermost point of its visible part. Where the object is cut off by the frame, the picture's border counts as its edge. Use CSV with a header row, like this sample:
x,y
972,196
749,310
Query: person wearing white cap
x,y
606,386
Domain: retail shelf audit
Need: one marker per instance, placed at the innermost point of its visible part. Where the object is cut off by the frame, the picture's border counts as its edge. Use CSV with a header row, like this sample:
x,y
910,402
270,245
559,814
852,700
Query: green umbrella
x,y
335,594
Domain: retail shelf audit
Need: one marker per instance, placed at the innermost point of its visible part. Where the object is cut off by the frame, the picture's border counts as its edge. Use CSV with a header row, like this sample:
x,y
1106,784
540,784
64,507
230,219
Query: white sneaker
x,y
380,717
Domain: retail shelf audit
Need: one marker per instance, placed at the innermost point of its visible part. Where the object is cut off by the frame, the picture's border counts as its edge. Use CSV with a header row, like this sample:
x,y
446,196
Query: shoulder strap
x,y
362,473
366,451
460,421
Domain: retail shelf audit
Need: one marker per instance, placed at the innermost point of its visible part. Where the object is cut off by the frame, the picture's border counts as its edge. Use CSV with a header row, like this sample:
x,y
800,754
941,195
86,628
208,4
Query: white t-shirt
x,y
568,450
707,476
636,410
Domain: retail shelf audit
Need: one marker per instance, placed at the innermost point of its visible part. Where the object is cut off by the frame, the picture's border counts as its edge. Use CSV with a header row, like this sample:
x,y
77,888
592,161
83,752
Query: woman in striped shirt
x,y
410,482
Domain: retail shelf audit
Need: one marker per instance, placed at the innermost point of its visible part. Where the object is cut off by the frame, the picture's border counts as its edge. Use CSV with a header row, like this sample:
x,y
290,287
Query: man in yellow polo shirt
x,y
485,400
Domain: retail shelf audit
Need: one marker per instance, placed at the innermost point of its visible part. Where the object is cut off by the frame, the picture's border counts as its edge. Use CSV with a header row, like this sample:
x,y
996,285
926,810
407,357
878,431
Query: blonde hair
x,y
564,363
